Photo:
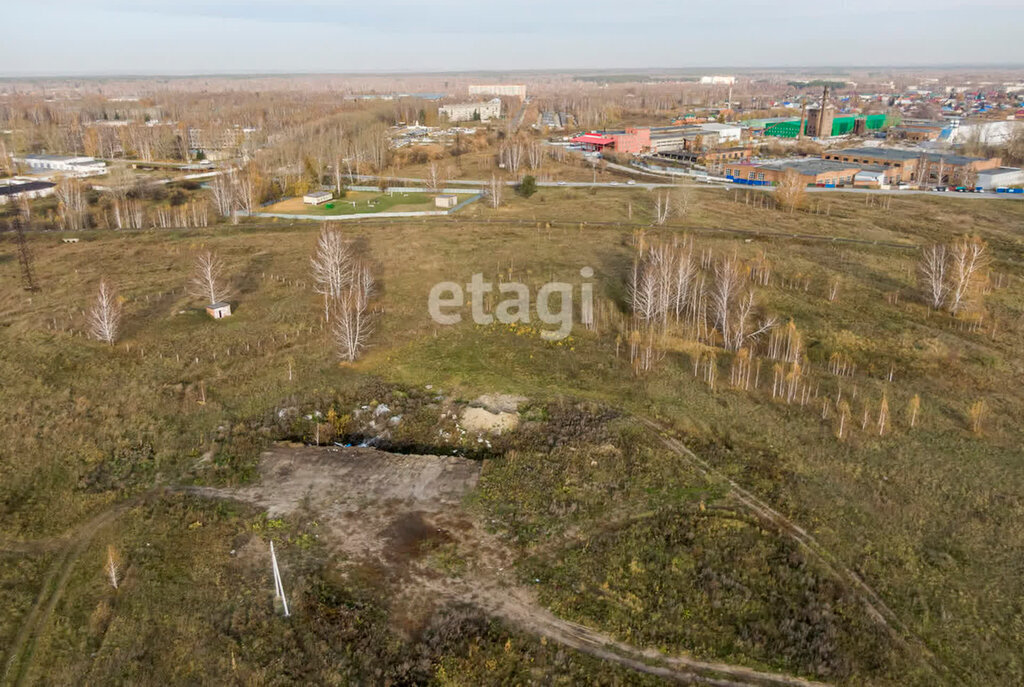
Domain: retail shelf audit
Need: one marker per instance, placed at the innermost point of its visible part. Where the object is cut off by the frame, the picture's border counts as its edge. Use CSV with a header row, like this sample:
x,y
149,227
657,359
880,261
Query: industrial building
x,y
465,112
660,139
15,189
914,166
70,165
627,141
813,172
516,90
1000,177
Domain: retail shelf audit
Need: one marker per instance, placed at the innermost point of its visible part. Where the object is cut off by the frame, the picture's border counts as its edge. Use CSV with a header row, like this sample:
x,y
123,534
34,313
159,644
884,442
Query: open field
x,y
609,528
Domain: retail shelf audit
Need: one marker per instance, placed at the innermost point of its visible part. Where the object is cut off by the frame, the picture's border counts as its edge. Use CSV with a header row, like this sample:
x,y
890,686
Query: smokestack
x,y
821,112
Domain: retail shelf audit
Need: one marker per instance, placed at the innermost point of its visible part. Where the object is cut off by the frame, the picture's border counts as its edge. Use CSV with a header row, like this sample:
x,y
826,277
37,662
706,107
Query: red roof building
x,y
628,141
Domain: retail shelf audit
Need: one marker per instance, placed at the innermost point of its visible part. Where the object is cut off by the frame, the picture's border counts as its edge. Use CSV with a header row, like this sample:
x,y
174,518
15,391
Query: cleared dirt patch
x,y
401,517
483,420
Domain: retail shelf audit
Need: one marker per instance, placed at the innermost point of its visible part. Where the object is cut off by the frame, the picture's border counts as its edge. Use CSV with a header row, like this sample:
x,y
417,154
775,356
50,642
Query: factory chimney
x,y
821,112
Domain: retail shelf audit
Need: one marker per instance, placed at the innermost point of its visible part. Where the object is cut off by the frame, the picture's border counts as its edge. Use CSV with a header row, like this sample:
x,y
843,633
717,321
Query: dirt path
x,y
517,607
873,603
18,656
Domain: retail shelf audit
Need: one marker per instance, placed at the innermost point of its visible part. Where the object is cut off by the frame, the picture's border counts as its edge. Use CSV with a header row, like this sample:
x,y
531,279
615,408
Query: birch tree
x,y
332,267
661,208
105,316
791,190
353,319
112,568
208,279
71,204
932,270
967,260
223,191
497,186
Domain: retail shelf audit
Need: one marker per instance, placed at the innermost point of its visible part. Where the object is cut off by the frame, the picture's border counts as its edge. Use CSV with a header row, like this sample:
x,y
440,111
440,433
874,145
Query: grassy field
x,y
360,202
617,533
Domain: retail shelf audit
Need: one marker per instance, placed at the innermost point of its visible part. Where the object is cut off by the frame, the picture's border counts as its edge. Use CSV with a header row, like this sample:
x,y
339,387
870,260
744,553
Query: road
x,y
647,185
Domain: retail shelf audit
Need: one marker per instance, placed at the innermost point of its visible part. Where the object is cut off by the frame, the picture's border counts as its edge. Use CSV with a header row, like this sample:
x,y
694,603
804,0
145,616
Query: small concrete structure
x,y
317,197
218,310
446,201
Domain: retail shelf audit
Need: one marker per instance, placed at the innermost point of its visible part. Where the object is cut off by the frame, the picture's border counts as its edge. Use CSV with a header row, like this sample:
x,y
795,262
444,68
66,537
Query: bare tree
x,y
112,568
332,267
223,190
733,305
497,186
353,319
662,207
511,154
791,190
534,155
435,177
208,280
967,260
932,270
70,203
105,316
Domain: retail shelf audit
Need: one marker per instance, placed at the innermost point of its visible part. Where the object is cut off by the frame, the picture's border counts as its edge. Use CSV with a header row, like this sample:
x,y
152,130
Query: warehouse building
x,y
70,165
912,166
16,189
813,172
1000,177
836,125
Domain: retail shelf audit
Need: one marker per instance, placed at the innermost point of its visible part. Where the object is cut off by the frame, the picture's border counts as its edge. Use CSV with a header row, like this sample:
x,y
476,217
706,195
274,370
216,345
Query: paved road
x,y
739,187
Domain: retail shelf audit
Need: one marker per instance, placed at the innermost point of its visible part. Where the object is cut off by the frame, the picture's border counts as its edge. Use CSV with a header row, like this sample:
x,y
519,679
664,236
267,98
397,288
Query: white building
x,y
70,165
446,201
13,189
988,132
1000,176
464,112
718,80
516,90
726,132
317,197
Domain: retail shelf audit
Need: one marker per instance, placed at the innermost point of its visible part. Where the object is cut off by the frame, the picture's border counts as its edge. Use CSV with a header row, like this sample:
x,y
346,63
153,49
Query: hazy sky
x,y
71,37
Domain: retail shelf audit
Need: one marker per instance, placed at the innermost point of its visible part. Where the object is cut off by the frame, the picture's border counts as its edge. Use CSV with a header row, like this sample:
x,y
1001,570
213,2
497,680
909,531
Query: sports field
x,y
361,202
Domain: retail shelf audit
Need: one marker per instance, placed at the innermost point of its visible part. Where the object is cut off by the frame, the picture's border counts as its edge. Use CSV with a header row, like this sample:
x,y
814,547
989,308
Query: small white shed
x,y
317,197
446,201
218,310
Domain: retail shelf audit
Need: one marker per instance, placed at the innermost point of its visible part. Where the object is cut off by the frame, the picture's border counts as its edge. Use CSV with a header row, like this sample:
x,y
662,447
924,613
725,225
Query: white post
x,y
278,586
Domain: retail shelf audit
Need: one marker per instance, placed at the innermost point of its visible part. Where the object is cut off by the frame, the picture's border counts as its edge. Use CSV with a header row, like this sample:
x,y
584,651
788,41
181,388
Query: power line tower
x,y
28,279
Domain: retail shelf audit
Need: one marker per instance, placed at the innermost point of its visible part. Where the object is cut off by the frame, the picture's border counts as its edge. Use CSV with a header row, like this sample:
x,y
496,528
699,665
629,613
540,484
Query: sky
x,y
120,37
